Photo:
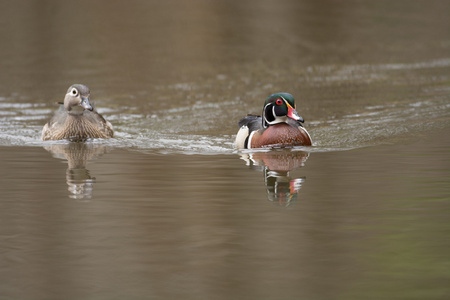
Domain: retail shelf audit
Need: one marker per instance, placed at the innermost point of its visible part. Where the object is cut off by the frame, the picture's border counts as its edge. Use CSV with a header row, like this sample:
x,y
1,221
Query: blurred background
x,y
169,208
197,67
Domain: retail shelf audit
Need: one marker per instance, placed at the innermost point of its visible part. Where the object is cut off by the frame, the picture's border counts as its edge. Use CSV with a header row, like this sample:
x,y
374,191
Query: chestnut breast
x,y
281,135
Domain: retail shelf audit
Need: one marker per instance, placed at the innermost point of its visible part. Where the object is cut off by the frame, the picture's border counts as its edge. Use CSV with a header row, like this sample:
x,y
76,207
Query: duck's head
x,y
278,108
77,99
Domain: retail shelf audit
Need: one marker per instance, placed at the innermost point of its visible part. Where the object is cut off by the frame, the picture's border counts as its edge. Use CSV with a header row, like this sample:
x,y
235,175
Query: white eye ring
x,y
74,92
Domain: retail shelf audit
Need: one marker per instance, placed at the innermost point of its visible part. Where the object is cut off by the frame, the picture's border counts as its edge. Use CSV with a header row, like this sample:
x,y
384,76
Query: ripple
x,y
205,124
167,130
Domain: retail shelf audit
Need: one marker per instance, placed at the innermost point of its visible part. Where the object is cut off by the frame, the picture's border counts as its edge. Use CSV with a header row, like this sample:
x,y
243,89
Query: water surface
x,y
169,208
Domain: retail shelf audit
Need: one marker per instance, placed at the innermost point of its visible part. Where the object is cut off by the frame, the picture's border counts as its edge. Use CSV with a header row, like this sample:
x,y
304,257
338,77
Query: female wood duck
x,y
77,120
279,126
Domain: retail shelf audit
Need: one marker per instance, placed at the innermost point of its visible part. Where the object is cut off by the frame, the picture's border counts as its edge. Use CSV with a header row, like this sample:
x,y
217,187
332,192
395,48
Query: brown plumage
x,y
77,120
281,135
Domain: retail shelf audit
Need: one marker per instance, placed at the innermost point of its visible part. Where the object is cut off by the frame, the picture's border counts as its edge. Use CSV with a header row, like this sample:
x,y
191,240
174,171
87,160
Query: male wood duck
x,y
77,120
280,126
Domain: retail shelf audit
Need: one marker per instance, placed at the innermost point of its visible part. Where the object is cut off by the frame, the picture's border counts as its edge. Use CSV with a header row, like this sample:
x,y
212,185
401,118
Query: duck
x,y
77,119
280,126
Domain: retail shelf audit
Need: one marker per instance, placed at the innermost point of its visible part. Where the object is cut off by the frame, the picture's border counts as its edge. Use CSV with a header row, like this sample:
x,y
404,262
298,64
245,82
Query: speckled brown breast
x,y
281,135
77,128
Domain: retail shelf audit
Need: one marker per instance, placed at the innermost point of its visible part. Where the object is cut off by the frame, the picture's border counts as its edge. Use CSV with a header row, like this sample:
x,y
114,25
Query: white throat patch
x,y
277,118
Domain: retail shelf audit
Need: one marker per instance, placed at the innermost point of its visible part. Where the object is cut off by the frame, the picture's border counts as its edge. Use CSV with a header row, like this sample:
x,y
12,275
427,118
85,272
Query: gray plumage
x,y
77,119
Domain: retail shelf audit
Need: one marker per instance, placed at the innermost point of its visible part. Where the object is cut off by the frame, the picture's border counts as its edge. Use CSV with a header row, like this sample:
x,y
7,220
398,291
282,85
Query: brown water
x,y
169,209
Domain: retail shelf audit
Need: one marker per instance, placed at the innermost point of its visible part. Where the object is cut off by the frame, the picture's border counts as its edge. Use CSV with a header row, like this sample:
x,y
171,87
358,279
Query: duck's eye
x,y
279,101
74,92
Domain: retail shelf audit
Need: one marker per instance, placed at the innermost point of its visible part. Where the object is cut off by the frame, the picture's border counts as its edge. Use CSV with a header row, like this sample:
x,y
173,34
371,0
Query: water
x,y
169,208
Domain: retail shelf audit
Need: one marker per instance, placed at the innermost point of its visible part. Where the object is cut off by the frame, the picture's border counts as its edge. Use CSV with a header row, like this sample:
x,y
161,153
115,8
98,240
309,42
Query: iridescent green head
x,y
277,108
286,96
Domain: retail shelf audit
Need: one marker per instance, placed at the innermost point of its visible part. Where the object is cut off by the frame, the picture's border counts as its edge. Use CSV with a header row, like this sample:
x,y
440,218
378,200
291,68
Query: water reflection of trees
x,y
282,188
80,182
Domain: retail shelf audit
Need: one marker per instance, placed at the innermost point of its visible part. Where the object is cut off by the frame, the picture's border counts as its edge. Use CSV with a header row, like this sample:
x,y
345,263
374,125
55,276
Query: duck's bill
x,y
85,104
292,113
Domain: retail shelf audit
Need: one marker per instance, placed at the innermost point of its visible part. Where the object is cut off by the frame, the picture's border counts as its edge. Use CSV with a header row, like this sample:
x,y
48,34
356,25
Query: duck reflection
x,y
282,188
80,182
